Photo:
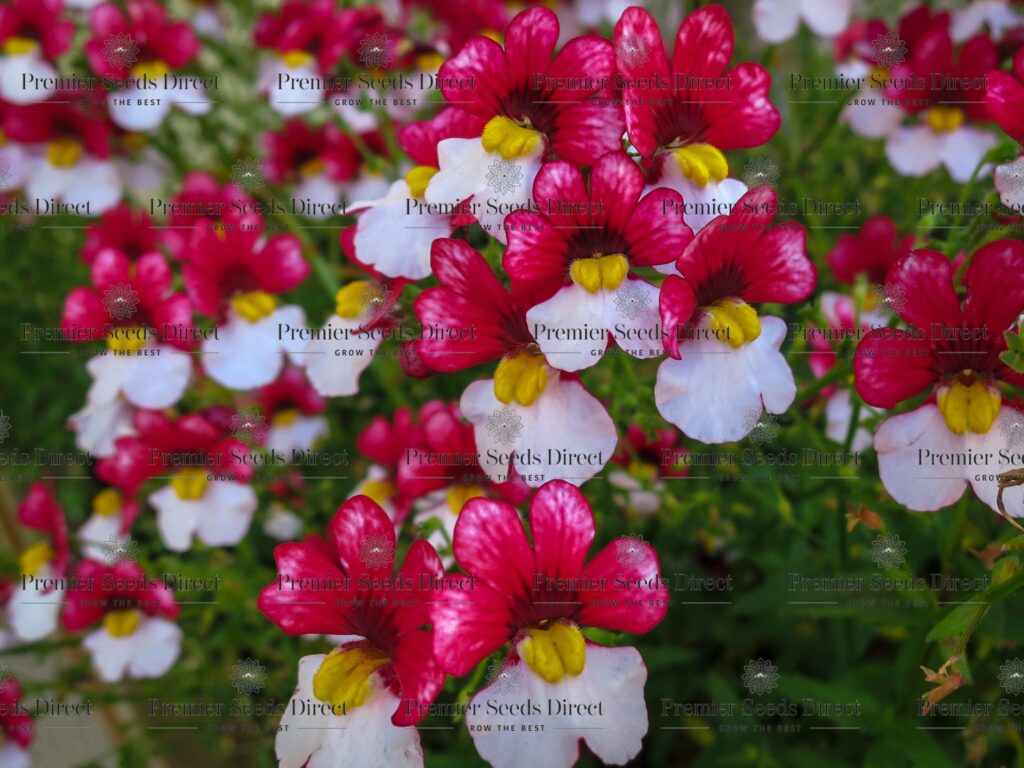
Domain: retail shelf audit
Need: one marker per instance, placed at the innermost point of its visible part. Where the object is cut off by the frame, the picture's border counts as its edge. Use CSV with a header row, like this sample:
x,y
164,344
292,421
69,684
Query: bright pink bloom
x,y
671,115
121,229
298,150
386,608
15,720
515,588
61,118
122,586
41,511
1005,98
159,40
871,251
39,21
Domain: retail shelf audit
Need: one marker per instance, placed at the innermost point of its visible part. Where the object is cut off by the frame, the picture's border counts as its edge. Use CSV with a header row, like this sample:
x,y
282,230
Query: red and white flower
x,y
232,274
154,50
16,727
928,456
578,263
726,368
679,129
532,106
529,416
108,527
294,410
536,597
137,637
357,705
32,35
1005,101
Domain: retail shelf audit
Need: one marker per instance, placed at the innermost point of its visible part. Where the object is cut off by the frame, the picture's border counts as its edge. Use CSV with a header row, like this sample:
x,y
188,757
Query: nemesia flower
x,y
943,88
778,20
641,465
994,14
16,727
859,51
393,235
68,149
441,470
123,229
111,521
207,497
153,84
726,368
202,205
136,637
926,457
336,354
148,331
357,704
318,161
384,443
1005,102
232,275
578,262
536,597
294,411
532,105
304,36
32,35
34,603
871,251
530,416
681,116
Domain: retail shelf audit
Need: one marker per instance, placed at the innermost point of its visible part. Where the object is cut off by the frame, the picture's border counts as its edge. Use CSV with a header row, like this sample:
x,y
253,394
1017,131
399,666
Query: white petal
x,y
870,115
316,196
964,149
20,164
97,184
572,311
286,97
631,314
13,756
300,435
98,425
612,722
395,238
915,150
176,519
715,393
302,730
139,110
838,412
12,84
156,644
110,655
157,380
776,20
1009,180
245,355
826,17
32,613
700,204
95,535
334,365
191,99
227,510
282,525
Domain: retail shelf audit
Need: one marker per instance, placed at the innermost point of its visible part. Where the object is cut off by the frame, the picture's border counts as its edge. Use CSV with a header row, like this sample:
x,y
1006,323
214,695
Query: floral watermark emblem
x,y
5,426
890,298
1011,676
888,551
762,427
630,550
248,676
504,676
374,299
634,51
248,174
120,50
631,300
505,425
1012,428
121,548
376,551
504,176
248,425
889,50
376,51
120,301
759,171
760,676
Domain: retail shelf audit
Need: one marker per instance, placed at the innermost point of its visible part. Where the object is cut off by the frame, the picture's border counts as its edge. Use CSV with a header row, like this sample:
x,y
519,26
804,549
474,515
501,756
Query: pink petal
x,y
562,526
638,608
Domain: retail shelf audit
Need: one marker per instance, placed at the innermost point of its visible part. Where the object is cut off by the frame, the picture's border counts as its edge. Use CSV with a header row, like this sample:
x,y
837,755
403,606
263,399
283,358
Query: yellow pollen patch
x,y
3,137
127,339
508,138
34,558
285,418
297,58
379,490
736,320
19,46
460,493
521,378
599,272
254,305
968,404
63,153
429,62
877,76
312,167
418,178
555,651
134,141
945,119
353,300
107,503
154,70
122,623
701,162
190,484
343,680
